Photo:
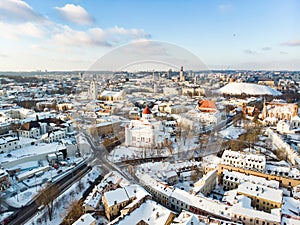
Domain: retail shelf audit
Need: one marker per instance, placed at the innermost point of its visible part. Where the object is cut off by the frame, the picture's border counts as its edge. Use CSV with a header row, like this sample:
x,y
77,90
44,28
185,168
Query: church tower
x,y
93,91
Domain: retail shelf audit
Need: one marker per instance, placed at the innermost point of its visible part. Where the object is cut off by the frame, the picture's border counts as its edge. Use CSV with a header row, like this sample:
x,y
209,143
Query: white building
x,y
286,126
112,95
145,132
8,143
246,161
53,136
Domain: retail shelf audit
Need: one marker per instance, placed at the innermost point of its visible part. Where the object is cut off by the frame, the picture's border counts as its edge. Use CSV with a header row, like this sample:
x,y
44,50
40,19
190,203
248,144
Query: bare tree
x,y
74,212
46,197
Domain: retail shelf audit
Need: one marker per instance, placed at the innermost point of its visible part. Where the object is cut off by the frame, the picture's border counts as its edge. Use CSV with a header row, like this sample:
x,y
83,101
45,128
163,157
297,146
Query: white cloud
x,y
98,37
75,14
292,43
17,10
249,52
17,31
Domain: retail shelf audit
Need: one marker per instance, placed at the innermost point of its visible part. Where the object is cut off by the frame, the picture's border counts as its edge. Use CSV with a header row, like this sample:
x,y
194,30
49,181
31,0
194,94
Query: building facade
x,y
145,132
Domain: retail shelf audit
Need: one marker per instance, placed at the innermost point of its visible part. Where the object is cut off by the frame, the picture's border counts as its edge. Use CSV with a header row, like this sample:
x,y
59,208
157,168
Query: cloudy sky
x,y
72,35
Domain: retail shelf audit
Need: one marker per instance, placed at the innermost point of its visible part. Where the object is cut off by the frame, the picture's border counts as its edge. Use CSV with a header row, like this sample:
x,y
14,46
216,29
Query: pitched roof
x,y
147,110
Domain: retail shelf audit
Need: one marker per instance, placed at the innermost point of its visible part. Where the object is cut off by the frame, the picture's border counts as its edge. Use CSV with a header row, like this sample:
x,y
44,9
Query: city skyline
x,y
72,35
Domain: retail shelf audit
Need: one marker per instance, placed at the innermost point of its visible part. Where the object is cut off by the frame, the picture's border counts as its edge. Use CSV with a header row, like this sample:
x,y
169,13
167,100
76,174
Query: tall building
x,y
93,91
181,75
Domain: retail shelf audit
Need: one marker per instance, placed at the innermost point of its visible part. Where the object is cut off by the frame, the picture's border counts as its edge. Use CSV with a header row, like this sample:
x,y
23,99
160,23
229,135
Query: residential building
x,y
86,219
9,143
247,161
284,181
231,180
263,198
115,200
53,136
207,183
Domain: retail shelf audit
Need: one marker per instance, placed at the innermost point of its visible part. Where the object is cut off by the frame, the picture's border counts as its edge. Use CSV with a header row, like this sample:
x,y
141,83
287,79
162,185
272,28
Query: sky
x,y
72,35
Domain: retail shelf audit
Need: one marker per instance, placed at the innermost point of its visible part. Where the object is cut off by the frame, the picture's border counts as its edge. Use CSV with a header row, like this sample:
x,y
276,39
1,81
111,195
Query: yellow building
x,y
263,198
115,200
283,181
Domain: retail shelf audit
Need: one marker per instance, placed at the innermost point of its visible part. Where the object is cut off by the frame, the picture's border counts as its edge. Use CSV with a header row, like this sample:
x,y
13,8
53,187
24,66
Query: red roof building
x,y
147,110
207,106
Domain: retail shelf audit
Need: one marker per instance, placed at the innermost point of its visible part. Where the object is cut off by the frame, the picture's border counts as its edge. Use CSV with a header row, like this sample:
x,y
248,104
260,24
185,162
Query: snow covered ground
x,y
62,203
22,198
121,153
232,132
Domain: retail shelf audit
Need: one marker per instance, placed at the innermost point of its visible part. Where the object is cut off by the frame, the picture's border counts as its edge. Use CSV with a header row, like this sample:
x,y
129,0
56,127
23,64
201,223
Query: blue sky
x,y
71,35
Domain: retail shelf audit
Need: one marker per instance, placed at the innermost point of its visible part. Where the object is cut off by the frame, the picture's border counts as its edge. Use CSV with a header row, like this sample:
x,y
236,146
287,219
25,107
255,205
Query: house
x,y
92,202
148,213
8,143
32,129
115,200
286,126
262,198
86,219
207,183
53,136
172,177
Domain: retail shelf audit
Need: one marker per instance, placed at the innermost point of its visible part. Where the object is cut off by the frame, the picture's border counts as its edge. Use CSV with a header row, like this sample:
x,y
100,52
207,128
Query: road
x,y
100,158
25,213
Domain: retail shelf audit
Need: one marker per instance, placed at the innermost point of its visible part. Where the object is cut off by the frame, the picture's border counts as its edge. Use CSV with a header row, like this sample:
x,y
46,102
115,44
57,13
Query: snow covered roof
x,y
240,178
111,93
149,212
86,219
274,195
187,218
248,88
116,196
240,210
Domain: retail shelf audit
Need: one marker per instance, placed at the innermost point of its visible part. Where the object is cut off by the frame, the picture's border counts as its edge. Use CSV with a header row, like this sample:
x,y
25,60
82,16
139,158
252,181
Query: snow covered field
x,y
232,132
121,153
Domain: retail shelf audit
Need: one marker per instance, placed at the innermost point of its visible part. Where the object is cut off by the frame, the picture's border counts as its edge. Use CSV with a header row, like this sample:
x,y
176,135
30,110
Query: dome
x,y
147,110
